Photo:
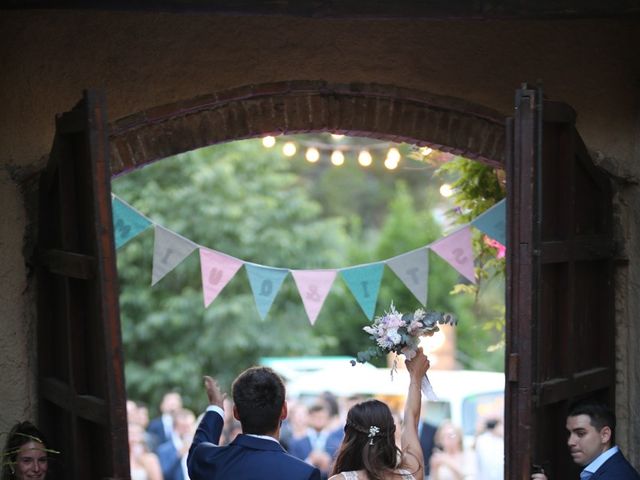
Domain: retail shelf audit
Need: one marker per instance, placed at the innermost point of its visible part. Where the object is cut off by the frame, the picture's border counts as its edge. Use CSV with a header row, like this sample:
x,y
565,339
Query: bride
x,y
368,450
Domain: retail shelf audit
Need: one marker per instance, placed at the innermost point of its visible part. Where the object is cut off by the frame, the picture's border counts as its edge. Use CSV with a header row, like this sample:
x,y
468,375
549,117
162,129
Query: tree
x,y
241,201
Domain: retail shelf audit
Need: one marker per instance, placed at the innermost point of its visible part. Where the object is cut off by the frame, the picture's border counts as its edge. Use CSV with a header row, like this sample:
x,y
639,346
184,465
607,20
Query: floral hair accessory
x,y
400,333
373,431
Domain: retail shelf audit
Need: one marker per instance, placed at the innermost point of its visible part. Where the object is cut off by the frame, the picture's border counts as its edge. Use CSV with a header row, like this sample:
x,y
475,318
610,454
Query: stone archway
x,y
378,111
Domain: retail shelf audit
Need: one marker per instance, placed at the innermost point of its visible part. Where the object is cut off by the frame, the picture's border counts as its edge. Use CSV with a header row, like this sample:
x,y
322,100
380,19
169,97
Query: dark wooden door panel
x,y
560,327
81,374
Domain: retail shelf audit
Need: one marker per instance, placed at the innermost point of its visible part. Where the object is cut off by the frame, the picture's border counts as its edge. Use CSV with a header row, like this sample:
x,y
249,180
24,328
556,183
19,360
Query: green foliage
x,y
238,200
259,206
478,187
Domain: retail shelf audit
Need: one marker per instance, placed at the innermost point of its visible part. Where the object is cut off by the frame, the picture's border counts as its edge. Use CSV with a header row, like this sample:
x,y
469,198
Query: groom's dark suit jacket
x,y
246,458
618,468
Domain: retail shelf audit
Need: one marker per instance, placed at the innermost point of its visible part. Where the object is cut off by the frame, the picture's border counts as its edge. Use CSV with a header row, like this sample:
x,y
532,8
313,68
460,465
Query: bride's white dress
x,y
354,475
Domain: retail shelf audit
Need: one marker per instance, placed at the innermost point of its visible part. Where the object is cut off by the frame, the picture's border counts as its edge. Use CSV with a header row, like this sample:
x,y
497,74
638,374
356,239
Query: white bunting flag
x,y
413,269
169,250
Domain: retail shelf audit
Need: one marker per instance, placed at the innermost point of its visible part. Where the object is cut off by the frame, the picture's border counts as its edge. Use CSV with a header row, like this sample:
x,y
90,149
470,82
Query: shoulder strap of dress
x,y
406,475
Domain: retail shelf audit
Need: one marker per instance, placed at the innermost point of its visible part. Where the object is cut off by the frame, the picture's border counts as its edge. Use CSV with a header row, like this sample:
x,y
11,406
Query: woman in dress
x,y
368,450
144,464
449,461
25,454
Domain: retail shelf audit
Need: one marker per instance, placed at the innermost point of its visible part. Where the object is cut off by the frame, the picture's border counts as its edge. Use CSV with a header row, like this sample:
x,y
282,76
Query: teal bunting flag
x,y
265,283
364,283
127,222
493,222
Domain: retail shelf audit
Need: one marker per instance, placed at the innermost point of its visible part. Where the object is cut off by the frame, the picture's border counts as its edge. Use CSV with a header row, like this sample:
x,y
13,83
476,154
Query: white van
x,y
466,397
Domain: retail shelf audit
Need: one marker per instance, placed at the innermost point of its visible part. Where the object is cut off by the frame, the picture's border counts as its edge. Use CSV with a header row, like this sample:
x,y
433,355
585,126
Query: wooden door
x,y
81,375
560,304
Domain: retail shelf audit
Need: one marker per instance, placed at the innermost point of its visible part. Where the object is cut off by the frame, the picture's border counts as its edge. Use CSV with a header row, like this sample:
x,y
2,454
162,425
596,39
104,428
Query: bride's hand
x,y
418,365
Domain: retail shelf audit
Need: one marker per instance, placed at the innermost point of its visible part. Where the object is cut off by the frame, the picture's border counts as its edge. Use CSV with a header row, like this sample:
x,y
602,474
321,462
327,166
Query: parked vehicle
x,y
466,397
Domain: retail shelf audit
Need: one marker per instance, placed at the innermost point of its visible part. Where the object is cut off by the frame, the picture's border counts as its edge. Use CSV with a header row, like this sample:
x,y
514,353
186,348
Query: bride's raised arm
x,y
412,457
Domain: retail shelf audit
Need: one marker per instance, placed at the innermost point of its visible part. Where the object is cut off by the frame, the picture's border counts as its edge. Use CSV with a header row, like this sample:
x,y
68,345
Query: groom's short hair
x,y
258,394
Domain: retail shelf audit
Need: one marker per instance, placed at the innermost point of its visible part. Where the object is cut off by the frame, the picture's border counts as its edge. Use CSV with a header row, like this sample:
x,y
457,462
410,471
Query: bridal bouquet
x,y
400,333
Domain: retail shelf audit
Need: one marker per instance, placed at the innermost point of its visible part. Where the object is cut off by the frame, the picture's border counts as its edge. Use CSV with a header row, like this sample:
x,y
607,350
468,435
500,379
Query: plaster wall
x,y
142,60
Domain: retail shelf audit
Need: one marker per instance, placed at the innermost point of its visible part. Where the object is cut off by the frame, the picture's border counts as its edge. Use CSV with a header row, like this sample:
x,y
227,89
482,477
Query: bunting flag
x,y
265,283
314,286
492,221
413,269
456,250
169,250
127,221
364,283
217,270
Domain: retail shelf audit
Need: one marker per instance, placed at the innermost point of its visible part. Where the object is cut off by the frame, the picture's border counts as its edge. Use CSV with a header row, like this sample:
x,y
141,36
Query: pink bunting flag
x,y
456,250
314,286
217,270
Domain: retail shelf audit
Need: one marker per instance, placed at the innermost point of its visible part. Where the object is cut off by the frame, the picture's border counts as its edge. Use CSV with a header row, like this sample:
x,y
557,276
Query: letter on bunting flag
x,y
413,269
127,221
265,283
217,270
314,286
364,283
169,250
492,221
456,250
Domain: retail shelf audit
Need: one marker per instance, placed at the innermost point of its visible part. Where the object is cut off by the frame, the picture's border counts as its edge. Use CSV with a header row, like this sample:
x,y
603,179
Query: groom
x,y
259,405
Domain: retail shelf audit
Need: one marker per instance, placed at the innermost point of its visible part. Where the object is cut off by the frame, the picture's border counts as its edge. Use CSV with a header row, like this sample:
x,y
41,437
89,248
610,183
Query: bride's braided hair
x,y
372,431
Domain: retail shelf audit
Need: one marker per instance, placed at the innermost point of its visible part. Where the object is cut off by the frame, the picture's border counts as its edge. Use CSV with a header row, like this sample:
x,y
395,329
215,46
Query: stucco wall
x,y
143,60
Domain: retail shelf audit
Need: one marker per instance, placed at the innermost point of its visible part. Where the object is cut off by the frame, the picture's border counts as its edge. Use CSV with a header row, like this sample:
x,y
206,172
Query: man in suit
x,y
427,434
256,454
173,453
160,429
591,426
312,448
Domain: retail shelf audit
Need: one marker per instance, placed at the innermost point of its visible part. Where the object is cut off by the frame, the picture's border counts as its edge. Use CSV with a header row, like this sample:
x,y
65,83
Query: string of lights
x,y
336,151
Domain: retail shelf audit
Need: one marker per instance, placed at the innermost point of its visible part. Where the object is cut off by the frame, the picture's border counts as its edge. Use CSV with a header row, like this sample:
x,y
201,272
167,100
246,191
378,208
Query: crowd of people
x,y
312,431
257,433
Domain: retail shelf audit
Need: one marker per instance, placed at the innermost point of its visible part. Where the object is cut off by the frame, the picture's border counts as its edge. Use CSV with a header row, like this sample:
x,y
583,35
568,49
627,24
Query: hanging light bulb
x,y
312,155
337,158
364,158
390,164
394,155
289,149
337,136
446,190
424,151
269,141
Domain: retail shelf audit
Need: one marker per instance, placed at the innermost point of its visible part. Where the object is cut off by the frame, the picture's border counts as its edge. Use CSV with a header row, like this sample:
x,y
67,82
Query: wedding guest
x,y
138,413
427,433
173,453
449,461
161,428
369,450
294,426
312,448
25,454
144,464
591,426
259,404
489,448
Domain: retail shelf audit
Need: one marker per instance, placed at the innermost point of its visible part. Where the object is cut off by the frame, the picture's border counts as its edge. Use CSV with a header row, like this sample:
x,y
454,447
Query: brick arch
x,y
378,111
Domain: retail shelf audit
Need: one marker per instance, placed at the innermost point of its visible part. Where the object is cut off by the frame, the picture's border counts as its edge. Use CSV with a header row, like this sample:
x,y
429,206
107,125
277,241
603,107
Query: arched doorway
x,y
77,268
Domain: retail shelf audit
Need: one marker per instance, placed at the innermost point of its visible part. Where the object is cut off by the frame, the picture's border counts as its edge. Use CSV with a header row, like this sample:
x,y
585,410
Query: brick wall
x,y
377,111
